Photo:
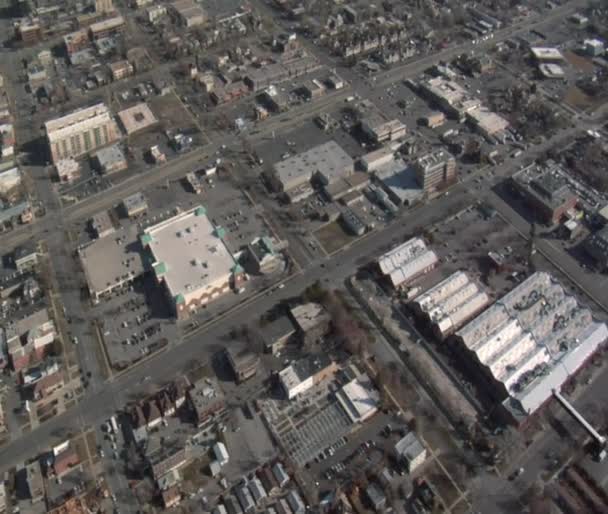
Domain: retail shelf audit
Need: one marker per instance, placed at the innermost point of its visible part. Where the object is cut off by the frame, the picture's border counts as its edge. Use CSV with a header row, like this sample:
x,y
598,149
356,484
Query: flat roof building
x,y
551,71
35,481
67,170
134,205
378,158
277,333
101,224
326,162
449,96
399,185
546,192
121,69
80,132
205,399
191,260
220,453
110,159
243,362
529,343
594,47
489,124
435,171
10,179
410,451
26,340
544,54
359,399
112,261
380,130
407,261
305,373
187,13
108,27
311,320
76,41
136,118
450,304
347,185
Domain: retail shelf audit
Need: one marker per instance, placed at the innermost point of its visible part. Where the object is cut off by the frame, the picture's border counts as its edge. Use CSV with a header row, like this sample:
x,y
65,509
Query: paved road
x,y
102,399
101,403
111,396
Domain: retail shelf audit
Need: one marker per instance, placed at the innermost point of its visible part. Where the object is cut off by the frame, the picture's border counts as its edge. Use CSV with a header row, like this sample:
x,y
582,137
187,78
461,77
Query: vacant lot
x,y
333,236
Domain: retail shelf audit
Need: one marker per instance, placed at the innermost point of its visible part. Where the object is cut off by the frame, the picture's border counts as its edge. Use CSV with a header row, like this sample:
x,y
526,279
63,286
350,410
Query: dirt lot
x,y
579,62
576,98
333,237
170,111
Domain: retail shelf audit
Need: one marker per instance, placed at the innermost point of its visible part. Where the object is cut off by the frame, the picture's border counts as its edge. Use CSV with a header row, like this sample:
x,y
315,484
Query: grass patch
x,y
196,472
333,236
91,441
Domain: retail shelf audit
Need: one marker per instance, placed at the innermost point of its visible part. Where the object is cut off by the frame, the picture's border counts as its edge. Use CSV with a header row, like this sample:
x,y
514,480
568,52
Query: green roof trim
x,y
220,232
268,244
237,269
160,268
200,211
179,298
146,239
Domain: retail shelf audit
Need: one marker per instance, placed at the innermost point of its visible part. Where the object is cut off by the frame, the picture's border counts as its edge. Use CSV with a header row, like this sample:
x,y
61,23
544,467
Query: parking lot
x,y
307,426
134,322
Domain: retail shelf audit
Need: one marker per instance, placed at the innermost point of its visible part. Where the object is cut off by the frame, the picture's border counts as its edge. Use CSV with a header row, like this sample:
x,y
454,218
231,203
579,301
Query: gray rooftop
x,y
109,156
328,160
111,259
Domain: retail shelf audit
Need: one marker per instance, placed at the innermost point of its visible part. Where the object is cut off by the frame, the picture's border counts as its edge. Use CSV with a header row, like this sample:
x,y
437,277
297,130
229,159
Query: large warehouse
x,y
450,304
406,262
327,163
191,261
529,343
112,261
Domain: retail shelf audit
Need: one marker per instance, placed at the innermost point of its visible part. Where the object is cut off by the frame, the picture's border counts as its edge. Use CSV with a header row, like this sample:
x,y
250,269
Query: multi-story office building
x,y
435,171
80,132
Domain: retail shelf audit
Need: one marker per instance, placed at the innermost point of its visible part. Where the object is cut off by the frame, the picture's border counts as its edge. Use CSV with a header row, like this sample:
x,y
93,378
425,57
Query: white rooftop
x,y
488,121
452,302
409,447
531,336
407,260
190,252
359,399
542,53
59,128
